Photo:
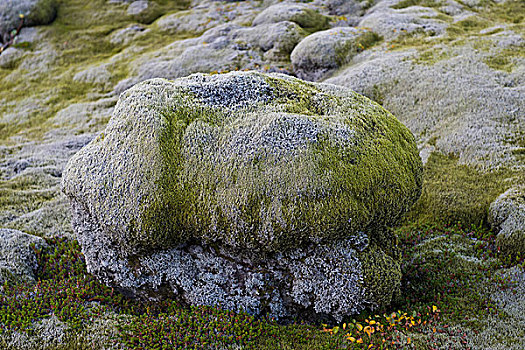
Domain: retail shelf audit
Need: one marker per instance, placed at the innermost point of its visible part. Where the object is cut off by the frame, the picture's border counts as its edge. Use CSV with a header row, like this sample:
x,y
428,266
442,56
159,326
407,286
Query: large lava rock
x,y
255,192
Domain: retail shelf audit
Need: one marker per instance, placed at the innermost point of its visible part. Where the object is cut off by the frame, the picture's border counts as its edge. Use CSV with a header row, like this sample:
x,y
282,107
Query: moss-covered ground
x,y
76,40
473,29
449,272
450,259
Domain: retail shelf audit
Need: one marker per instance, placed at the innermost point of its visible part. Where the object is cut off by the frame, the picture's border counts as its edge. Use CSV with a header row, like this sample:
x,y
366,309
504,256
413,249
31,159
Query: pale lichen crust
x,y
252,161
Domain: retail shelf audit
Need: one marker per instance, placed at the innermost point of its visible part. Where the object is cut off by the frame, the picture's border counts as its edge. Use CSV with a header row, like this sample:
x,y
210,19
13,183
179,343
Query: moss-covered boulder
x,y
507,216
253,172
301,14
321,53
35,12
17,258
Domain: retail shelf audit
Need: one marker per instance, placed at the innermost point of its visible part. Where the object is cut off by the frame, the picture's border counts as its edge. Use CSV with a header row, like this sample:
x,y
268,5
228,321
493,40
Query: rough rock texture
x,y
35,11
507,214
225,47
258,169
144,11
323,52
206,15
458,104
17,259
301,14
452,71
390,22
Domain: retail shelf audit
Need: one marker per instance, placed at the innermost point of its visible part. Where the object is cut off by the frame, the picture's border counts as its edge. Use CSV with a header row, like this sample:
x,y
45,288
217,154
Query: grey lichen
x,y
507,216
17,258
248,160
213,188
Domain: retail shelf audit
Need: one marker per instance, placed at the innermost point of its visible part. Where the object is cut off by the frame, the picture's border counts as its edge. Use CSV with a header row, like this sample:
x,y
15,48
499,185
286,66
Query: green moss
x,y
432,55
499,62
44,13
506,59
205,198
466,30
24,194
451,265
382,274
407,3
79,37
348,49
311,21
179,209
453,192
512,244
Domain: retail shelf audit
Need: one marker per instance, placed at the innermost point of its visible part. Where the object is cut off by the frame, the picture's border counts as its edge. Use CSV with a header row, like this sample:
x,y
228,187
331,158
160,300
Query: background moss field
x,y
459,289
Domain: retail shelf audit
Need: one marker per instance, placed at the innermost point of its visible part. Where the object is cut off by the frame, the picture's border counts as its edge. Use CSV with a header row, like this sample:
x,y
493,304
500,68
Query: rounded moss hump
x,y
245,160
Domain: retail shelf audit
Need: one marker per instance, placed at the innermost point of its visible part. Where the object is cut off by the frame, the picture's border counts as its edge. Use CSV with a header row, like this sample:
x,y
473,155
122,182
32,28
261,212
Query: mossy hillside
x,y
408,3
345,187
76,39
471,30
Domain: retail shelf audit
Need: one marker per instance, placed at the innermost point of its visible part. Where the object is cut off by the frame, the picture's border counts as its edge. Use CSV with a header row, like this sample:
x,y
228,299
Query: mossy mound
x,y
301,14
507,214
247,160
35,12
258,193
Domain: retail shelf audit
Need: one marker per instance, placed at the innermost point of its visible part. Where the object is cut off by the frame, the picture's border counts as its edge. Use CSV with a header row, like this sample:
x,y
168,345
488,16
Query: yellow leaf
x,y
352,339
373,322
370,346
408,340
359,341
434,308
359,327
344,325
